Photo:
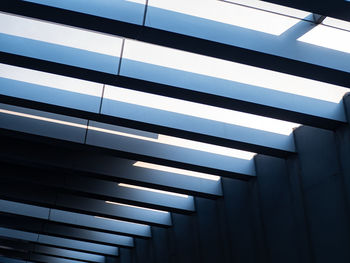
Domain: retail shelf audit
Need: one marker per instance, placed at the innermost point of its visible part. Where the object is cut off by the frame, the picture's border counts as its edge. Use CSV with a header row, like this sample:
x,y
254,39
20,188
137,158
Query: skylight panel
x,y
59,34
279,9
176,170
219,11
341,24
199,110
171,59
50,80
152,190
329,36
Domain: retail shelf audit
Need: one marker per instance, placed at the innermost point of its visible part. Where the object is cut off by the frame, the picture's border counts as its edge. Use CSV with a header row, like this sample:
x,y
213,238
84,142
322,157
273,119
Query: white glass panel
x,y
51,80
328,37
60,35
199,110
226,13
329,21
222,69
280,9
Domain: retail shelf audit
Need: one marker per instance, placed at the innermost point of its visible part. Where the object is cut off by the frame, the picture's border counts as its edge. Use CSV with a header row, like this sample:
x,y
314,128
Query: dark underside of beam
x,y
186,43
334,8
7,137
24,161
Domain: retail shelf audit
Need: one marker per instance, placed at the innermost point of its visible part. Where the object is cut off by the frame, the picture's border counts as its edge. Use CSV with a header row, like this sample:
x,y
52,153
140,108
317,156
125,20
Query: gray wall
x,y
295,210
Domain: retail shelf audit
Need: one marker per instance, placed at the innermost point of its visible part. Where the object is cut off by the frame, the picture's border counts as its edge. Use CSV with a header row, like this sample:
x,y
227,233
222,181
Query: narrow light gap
x,y
176,170
152,190
138,207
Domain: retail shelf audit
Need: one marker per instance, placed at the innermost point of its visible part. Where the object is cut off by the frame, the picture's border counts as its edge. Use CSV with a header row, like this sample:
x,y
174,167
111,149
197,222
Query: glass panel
x,y
50,88
332,33
58,43
198,110
209,19
233,80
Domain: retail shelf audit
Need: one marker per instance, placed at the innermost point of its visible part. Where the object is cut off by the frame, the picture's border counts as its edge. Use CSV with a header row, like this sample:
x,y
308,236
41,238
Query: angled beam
x,y
58,242
113,138
114,227
13,260
179,41
51,251
72,191
106,166
31,224
174,124
50,197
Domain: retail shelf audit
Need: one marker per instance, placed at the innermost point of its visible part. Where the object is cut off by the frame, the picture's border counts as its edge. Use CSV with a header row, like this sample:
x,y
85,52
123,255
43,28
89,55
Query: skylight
x,y
279,9
329,35
152,190
168,60
199,110
60,34
230,14
176,170
50,80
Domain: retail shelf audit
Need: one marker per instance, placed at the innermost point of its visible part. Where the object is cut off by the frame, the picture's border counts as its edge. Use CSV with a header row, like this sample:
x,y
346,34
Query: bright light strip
x,y
328,37
138,207
341,24
200,110
189,144
130,135
176,170
116,220
235,15
232,71
152,190
50,80
280,9
201,146
25,115
59,34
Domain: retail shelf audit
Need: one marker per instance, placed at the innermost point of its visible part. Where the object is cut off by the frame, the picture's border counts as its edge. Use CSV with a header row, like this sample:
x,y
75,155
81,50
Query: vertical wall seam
x,y
86,131
260,214
302,193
